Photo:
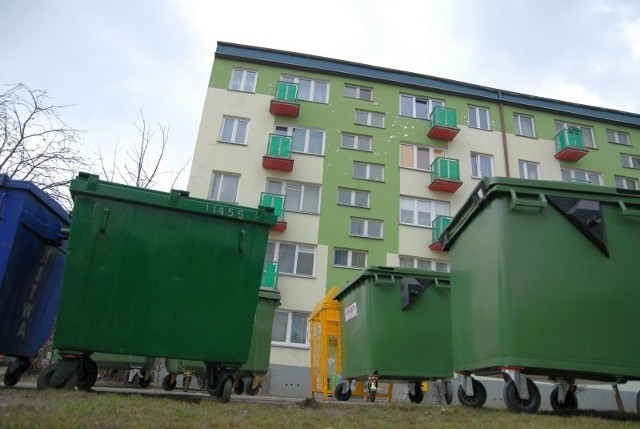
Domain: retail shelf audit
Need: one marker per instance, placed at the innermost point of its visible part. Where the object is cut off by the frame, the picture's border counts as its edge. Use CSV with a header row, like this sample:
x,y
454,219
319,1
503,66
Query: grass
x,y
30,408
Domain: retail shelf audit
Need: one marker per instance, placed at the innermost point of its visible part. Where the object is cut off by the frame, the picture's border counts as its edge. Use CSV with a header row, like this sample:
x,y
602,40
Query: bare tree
x,y
36,144
142,160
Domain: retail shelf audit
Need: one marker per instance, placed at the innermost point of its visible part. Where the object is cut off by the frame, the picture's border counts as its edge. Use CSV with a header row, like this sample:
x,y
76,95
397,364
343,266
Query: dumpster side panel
x,y
122,362
260,348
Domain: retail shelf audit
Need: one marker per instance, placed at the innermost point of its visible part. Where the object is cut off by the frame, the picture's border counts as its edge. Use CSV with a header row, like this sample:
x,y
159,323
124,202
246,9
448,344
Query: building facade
x,y
365,166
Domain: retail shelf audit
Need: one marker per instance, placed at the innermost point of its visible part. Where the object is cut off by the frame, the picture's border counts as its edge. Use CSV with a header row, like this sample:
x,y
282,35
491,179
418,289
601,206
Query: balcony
x,y
438,226
444,125
277,202
278,155
285,101
570,145
445,175
270,275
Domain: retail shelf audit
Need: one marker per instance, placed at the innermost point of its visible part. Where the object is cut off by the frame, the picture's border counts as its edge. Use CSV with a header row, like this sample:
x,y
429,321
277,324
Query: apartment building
x,y
365,165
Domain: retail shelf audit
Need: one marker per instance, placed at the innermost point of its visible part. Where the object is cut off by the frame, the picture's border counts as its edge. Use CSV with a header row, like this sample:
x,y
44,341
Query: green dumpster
x,y
140,368
544,283
250,374
151,273
395,324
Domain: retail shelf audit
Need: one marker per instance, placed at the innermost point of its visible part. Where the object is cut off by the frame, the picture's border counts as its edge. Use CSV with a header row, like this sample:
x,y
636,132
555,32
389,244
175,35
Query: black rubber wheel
x,y
186,382
238,386
479,395
224,393
372,396
418,396
87,374
248,387
167,384
570,401
44,379
517,405
448,391
638,403
14,371
144,382
135,381
340,395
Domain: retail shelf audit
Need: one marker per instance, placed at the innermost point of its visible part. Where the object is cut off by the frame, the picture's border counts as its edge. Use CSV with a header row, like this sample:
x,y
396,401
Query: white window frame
x,y
215,194
588,137
310,89
273,255
243,83
424,264
357,142
524,170
475,117
236,136
618,137
413,102
358,92
435,208
623,182
369,118
368,170
288,330
630,161
289,188
570,174
294,133
350,253
352,197
477,165
366,227
432,153
520,130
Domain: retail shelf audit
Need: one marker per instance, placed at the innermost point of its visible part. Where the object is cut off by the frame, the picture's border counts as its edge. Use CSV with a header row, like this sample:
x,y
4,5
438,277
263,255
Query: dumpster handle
x,y
384,279
628,212
443,284
105,217
521,202
241,239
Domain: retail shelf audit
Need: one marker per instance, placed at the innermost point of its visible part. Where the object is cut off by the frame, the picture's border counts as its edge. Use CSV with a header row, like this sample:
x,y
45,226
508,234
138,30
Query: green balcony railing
x,y
270,275
286,91
274,200
444,117
445,168
569,137
439,224
279,146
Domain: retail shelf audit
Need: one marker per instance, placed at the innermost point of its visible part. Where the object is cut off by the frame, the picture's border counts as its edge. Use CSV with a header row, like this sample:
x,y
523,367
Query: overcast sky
x,y
113,59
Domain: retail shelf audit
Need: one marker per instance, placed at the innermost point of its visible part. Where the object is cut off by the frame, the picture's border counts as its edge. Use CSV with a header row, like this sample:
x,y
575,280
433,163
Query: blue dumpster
x,y
31,262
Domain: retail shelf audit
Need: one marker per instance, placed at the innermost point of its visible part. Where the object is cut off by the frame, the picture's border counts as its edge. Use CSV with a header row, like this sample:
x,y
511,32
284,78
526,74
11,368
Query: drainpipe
x,y
505,150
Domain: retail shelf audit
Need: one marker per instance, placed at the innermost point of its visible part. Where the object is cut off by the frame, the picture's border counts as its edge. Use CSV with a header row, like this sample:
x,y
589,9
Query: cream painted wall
x,y
290,356
535,150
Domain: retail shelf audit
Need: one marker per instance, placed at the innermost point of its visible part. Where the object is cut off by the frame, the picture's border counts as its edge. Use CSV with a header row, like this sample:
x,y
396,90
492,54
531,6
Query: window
x,y
304,140
424,264
366,171
481,165
580,176
357,142
368,228
234,130
293,259
300,197
360,92
529,170
310,90
418,157
349,258
587,133
479,117
630,161
419,212
524,125
243,80
416,107
289,327
224,187
371,119
626,182
618,137
353,197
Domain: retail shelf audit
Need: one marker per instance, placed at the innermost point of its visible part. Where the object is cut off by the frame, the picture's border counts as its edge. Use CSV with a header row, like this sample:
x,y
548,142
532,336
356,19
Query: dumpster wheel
x,y
238,386
570,400
518,405
478,398
15,370
44,379
418,396
134,381
224,392
167,384
448,391
144,381
340,395
248,387
87,373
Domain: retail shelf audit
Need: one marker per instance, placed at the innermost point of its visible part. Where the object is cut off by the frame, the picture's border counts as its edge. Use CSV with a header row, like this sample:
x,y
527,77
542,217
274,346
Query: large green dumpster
x,y
395,324
151,273
544,282
250,374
